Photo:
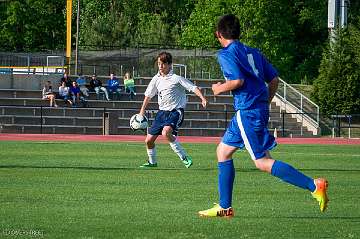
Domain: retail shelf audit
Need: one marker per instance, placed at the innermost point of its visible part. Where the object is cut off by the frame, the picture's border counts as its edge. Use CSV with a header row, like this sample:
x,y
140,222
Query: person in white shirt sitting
x,y
64,93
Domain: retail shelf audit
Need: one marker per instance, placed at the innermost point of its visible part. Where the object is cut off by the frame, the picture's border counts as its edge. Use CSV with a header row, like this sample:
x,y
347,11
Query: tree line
x,y
292,34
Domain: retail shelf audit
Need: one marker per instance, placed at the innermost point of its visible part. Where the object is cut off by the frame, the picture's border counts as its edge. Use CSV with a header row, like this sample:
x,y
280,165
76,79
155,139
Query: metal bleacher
x,y
23,111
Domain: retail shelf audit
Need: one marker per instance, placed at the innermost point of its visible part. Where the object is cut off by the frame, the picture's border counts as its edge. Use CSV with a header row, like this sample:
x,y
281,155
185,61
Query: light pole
x,y
68,33
77,37
337,15
343,12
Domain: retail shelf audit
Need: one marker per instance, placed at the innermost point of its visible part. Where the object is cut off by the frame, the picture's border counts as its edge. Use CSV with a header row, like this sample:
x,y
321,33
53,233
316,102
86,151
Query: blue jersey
x,y
238,61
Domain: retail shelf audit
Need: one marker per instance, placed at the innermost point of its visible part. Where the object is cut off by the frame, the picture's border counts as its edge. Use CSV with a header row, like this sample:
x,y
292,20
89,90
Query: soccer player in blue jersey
x,y
253,82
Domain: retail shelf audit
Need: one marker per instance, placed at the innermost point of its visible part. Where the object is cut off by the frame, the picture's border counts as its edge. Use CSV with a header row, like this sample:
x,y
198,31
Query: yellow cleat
x,y
217,211
320,193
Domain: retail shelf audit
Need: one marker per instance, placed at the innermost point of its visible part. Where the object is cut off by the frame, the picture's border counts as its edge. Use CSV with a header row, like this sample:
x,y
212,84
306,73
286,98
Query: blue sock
x,y
226,181
290,175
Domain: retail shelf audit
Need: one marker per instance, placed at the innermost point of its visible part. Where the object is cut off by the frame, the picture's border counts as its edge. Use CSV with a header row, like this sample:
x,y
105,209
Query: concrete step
x,y
56,129
153,105
122,122
98,121
36,94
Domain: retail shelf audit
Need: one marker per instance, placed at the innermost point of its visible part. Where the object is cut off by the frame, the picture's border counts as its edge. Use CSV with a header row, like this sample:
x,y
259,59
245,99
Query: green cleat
x,y
320,193
187,161
217,211
148,165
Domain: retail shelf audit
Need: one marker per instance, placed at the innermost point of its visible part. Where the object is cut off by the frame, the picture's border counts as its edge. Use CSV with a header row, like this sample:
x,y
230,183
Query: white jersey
x,y
170,90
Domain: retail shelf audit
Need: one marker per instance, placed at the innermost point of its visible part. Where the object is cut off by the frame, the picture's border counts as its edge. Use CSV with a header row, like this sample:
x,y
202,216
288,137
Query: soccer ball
x,y
138,122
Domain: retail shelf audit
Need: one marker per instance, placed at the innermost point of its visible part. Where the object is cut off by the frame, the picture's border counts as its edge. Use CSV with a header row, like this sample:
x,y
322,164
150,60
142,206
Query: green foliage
x,y
200,27
132,22
32,25
337,89
151,30
268,25
311,34
281,29
102,24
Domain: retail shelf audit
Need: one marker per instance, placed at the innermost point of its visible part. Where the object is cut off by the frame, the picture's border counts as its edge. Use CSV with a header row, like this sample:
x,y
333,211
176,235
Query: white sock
x,y
178,149
152,155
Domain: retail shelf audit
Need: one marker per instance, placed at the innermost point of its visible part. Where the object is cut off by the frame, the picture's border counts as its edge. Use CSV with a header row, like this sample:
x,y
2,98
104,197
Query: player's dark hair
x,y
165,57
229,26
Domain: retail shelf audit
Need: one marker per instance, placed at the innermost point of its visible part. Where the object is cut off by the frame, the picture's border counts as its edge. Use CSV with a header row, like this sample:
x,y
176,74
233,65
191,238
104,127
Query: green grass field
x,y
96,190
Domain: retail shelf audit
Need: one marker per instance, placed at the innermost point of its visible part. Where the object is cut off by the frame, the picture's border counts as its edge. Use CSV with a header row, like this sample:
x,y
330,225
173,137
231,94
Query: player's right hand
x,y
204,103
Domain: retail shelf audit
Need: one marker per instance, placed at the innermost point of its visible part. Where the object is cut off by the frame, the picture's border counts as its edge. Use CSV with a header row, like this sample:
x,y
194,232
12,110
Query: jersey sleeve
x,y
230,69
151,89
188,85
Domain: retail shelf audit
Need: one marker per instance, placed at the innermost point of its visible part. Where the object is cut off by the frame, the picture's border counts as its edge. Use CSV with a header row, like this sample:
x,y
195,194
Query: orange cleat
x,y
320,193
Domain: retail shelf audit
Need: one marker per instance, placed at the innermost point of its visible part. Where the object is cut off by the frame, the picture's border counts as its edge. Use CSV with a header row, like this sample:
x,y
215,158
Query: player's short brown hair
x,y
165,57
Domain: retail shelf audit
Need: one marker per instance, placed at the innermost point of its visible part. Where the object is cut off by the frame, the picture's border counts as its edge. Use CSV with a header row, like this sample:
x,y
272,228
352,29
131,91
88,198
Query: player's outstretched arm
x,y
229,85
204,101
144,105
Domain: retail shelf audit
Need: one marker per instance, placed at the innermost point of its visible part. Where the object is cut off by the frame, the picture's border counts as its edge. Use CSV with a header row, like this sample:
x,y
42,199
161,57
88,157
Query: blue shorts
x,y
248,128
164,118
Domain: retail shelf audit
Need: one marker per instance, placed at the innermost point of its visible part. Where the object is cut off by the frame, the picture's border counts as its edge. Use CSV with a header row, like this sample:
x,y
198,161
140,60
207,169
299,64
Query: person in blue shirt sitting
x,y
76,95
113,86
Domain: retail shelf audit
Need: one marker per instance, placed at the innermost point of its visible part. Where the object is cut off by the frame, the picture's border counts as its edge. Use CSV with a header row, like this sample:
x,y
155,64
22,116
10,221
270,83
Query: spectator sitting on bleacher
x,y
48,94
96,85
64,93
66,79
129,85
81,81
77,95
113,86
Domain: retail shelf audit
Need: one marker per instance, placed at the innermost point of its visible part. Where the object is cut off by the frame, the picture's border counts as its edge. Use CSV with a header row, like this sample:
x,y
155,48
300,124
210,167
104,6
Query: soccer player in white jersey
x,y
170,89
246,72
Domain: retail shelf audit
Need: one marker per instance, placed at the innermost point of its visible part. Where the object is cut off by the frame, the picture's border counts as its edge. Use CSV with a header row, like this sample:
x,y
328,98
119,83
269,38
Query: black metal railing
x,y
346,125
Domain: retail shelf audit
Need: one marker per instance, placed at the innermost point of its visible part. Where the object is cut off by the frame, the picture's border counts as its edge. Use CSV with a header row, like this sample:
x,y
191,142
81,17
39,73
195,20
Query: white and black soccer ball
x,y
138,122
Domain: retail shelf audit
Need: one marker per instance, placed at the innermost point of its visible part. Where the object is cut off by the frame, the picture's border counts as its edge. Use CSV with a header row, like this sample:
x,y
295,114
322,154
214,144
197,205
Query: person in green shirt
x,y
129,85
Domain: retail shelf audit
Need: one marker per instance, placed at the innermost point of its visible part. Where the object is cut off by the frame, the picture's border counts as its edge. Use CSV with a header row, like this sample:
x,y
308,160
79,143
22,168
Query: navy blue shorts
x,y
164,118
248,128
